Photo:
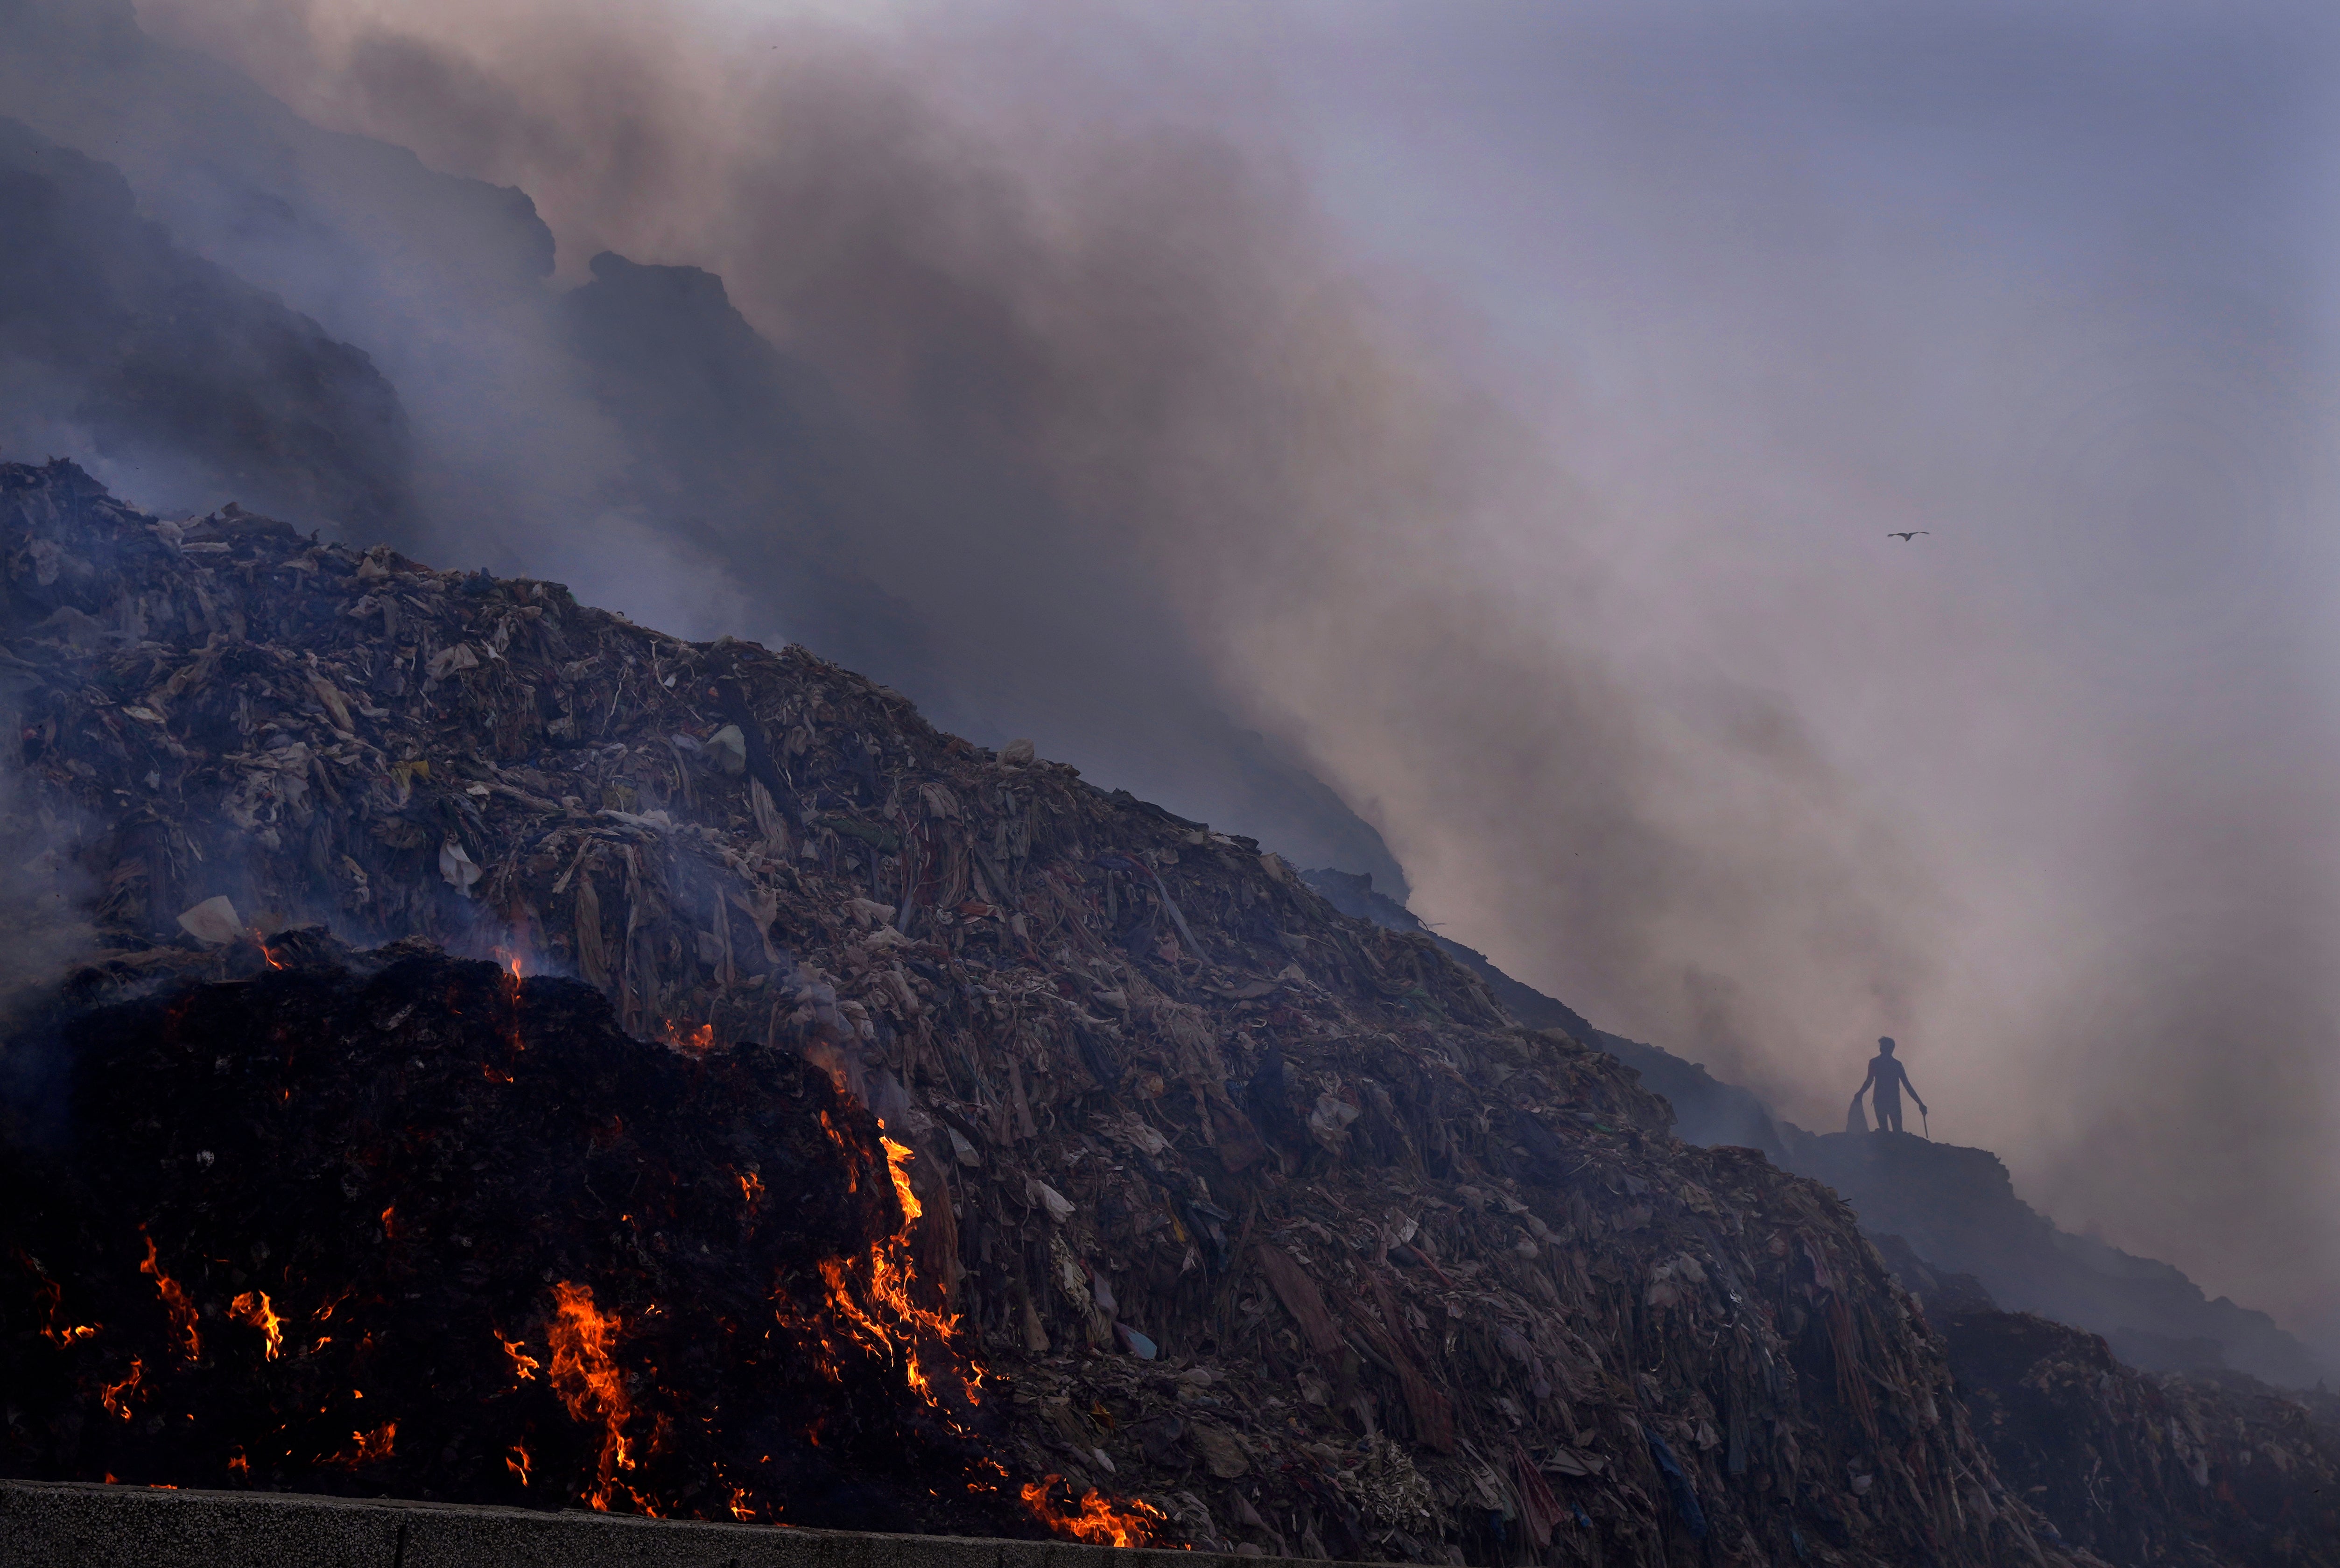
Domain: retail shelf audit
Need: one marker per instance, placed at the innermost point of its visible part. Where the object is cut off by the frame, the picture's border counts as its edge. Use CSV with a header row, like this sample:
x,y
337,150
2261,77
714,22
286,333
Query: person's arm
x,y
1866,1082
1913,1091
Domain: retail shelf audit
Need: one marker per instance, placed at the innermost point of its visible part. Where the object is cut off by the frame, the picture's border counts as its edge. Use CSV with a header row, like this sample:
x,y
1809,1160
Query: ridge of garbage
x,y
1270,1218
1958,1206
2187,1461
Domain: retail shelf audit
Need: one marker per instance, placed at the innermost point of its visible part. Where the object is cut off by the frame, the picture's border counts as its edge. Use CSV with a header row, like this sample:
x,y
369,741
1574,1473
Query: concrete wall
x,y
47,1525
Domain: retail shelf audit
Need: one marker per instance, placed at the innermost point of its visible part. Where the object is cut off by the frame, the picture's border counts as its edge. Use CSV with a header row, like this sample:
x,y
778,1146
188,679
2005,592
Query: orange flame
x,y
509,958
262,943
887,1279
372,1447
518,1462
253,1307
525,1365
590,1384
898,1165
740,1509
387,1232
852,1151
1094,1519
183,1311
691,1042
751,1188
52,1297
117,1395
237,1464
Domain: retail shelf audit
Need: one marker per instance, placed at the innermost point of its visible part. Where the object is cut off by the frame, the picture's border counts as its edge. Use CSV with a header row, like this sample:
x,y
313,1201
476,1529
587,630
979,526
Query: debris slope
x,y
1269,1217
2198,1469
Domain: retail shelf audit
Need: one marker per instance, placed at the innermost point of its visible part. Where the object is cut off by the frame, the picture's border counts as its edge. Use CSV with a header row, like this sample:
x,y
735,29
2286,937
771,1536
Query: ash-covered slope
x,y
1269,1217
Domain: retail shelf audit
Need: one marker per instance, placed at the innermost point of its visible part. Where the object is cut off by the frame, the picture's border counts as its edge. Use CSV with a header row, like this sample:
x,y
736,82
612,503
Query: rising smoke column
x,y
1623,678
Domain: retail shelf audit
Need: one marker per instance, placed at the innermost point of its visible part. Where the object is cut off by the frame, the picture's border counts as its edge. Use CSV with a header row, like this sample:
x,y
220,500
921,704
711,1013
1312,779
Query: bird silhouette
x,y
1905,538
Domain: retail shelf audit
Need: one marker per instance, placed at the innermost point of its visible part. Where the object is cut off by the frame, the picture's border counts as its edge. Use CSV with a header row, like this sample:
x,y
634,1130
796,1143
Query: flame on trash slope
x,y
525,1365
592,1386
183,1311
52,1296
253,1307
117,1395
366,1448
887,1281
1094,1518
695,1042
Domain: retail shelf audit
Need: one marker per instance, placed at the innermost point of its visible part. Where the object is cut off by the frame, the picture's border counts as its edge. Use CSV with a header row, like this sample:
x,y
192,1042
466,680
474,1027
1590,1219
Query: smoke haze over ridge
x,y
1502,414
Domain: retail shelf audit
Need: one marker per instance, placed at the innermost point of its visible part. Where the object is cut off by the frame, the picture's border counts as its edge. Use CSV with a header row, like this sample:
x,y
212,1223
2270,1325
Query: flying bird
x,y
1905,538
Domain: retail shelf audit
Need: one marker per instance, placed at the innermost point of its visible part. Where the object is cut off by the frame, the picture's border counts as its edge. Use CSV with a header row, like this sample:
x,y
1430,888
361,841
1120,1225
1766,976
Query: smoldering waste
x,y
1270,1228
426,1227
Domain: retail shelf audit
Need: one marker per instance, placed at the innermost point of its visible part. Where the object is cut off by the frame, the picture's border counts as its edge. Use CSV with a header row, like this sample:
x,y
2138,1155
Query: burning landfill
x,y
517,1057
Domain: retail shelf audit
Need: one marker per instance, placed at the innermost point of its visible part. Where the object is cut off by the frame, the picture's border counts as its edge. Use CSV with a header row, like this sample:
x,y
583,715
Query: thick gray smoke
x,y
1089,387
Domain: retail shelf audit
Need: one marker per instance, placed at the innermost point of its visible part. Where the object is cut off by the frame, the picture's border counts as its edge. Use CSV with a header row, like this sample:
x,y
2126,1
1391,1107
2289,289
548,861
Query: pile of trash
x,y
2192,1470
2171,1468
1271,1231
402,1223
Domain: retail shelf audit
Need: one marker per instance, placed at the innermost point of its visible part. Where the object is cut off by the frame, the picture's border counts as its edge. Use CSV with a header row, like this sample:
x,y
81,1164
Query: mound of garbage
x,y
2170,1469
1269,1227
2206,1470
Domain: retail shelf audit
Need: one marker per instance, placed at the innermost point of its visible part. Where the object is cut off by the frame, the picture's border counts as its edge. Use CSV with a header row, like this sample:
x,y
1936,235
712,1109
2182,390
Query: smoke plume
x,y
1495,415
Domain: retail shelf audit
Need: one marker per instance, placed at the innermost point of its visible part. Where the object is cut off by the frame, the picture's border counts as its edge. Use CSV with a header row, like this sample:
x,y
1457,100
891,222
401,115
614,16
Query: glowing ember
x,y
183,1311
751,1188
238,1465
262,943
740,1509
525,1365
590,1384
518,1462
117,1395
253,1307
1094,1518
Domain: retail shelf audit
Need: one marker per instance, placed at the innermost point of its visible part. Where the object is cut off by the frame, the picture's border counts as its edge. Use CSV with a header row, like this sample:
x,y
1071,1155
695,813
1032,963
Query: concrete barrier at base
x,y
45,1525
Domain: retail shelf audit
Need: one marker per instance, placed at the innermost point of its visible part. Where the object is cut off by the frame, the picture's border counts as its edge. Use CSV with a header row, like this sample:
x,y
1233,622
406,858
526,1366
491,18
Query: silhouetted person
x,y
1890,1079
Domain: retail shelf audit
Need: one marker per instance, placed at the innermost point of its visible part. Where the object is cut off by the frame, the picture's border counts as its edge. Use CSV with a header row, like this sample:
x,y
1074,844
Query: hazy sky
x,y
1509,404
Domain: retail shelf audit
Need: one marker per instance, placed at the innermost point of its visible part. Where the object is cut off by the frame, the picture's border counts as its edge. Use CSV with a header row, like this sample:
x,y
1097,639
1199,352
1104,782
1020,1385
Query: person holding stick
x,y
1890,1078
